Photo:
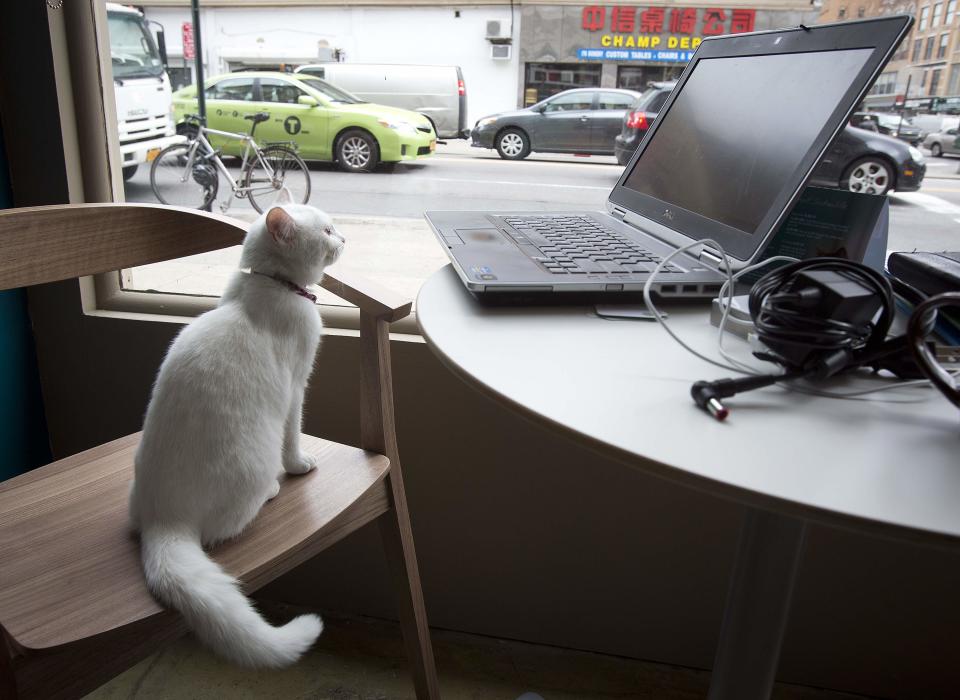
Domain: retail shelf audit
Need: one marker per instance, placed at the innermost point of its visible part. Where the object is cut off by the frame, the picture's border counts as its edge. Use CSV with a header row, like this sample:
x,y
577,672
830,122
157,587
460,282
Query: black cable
x,y
815,326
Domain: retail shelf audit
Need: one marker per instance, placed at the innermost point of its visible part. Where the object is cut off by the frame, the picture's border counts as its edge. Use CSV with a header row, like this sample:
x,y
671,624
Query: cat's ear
x,y
280,225
284,196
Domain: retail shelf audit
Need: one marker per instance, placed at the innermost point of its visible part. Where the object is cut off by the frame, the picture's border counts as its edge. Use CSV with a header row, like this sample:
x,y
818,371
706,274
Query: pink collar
x,y
293,287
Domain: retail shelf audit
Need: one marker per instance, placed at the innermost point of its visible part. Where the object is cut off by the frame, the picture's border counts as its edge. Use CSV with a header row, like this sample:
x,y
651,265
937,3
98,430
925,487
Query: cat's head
x,y
292,241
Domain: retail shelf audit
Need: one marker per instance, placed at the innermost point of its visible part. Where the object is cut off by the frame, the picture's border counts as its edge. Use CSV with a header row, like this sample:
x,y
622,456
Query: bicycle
x,y
187,174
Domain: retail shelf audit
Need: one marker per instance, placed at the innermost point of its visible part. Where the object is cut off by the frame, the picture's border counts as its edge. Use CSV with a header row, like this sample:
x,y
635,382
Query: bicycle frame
x,y
208,152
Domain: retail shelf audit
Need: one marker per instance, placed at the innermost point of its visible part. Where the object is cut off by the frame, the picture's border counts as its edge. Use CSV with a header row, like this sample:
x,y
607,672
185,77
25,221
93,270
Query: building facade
x,y
924,74
511,53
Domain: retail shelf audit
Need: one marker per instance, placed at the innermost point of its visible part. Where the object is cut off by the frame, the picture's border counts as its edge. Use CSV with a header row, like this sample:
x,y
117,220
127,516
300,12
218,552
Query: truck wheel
x,y
129,171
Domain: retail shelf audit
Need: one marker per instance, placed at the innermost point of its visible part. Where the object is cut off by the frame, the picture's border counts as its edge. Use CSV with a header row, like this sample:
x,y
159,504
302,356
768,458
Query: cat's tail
x,y
182,576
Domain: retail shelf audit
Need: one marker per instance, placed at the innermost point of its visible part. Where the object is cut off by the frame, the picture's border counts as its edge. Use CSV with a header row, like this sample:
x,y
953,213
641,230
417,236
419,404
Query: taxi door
x,y
290,121
228,101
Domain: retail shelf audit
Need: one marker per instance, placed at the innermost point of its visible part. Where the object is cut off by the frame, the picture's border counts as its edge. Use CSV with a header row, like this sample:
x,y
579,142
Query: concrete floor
x,y
363,659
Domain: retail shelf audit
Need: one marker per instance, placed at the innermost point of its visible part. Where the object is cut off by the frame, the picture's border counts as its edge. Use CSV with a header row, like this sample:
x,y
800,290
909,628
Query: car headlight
x,y
916,154
486,121
398,125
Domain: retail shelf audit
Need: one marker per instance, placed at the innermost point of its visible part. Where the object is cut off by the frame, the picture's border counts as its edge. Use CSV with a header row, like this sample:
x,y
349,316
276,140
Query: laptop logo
x,y
667,214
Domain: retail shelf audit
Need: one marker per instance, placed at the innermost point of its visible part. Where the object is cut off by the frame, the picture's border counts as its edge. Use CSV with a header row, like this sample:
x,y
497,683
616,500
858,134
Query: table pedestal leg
x,y
757,608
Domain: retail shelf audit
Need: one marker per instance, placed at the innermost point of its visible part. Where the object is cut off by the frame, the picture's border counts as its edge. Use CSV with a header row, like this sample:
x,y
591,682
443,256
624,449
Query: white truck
x,y
142,89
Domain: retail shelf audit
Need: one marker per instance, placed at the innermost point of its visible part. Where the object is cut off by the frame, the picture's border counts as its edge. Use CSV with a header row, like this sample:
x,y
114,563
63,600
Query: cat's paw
x,y
302,464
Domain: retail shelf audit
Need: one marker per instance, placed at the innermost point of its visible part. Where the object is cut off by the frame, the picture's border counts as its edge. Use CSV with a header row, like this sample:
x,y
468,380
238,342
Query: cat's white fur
x,y
223,423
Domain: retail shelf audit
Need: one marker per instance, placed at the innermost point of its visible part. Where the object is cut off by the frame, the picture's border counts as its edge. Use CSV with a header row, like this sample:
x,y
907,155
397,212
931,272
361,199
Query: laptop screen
x,y
734,137
747,123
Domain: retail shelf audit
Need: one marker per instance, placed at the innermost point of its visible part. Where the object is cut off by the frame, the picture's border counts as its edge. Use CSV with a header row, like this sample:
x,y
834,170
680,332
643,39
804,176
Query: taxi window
x,y
615,100
232,89
275,90
576,101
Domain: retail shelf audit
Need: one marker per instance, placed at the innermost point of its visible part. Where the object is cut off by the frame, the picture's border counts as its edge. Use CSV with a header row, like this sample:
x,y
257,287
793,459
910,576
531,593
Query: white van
x,y
437,92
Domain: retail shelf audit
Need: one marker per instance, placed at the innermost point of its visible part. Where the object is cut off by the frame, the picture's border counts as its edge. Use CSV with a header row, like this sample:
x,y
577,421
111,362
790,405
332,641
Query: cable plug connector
x,y
707,397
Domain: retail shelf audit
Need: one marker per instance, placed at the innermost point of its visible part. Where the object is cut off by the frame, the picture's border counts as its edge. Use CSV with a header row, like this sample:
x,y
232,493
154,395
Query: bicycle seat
x,y
258,117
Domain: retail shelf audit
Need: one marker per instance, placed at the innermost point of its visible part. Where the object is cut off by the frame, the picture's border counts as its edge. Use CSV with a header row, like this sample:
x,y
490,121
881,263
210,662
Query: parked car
x,y
583,121
889,124
943,142
858,159
866,161
639,118
325,122
436,92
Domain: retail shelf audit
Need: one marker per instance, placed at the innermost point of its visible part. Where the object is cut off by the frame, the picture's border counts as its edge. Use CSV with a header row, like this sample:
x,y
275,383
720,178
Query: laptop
x,y
726,159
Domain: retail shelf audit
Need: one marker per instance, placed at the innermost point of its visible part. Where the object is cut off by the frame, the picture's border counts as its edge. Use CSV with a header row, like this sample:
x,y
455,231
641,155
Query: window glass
x,y
937,13
541,80
657,101
133,52
924,18
231,89
571,102
615,100
252,52
274,90
928,49
330,92
934,81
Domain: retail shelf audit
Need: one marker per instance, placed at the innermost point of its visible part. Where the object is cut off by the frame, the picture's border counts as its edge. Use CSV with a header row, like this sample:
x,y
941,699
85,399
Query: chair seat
x,y
70,568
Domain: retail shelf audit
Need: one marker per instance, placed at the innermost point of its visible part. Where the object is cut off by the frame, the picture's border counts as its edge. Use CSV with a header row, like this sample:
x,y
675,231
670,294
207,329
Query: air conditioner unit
x,y
500,52
498,32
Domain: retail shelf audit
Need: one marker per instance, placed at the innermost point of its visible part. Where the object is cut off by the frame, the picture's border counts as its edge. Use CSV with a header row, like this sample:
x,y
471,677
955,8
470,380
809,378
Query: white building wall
x,y
427,35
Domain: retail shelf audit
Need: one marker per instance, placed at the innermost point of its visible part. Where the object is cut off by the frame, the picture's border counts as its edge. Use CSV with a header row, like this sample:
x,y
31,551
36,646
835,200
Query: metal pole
x,y
906,94
758,605
198,59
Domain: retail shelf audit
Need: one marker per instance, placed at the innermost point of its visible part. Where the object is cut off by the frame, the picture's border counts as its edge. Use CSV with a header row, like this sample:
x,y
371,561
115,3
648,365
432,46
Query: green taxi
x,y
325,122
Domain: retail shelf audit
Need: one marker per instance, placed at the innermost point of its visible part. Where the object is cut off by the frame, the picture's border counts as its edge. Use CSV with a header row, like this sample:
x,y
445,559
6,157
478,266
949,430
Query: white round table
x,y
623,388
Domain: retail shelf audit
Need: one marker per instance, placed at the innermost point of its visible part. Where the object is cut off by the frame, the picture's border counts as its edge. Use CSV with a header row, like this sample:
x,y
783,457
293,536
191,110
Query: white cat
x,y
223,423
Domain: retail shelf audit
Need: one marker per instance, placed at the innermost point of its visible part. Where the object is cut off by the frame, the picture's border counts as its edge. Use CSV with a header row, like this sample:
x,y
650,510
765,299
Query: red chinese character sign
x,y
594,18
658,33
189,52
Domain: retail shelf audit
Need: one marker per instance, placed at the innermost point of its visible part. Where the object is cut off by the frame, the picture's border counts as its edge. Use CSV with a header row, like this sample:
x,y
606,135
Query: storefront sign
x,y
663,34
633,55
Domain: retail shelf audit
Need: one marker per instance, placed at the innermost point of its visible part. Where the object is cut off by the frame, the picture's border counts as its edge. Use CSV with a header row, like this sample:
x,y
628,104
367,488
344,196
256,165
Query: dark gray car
x,y
584,120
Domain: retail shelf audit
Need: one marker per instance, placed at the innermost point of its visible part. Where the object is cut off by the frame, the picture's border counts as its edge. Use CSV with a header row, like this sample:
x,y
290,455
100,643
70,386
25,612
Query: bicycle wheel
x,y
173,184
286,169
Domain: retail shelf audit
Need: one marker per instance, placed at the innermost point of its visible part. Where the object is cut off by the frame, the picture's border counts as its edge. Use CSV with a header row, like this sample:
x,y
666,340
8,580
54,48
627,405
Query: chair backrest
x,y
47,244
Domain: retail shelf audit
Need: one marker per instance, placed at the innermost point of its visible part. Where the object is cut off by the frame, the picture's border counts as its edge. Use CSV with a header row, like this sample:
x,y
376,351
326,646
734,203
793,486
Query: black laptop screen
x,y
734,135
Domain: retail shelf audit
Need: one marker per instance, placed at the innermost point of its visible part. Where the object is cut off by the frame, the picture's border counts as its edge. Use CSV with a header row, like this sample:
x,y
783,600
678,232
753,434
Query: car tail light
x,y
461,88
637,120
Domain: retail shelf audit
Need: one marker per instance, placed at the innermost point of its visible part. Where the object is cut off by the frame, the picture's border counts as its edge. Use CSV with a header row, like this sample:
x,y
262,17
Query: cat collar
x,y
292,286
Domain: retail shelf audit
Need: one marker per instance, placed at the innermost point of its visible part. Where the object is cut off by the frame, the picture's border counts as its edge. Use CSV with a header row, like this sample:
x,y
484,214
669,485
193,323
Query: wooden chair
x,y
74,607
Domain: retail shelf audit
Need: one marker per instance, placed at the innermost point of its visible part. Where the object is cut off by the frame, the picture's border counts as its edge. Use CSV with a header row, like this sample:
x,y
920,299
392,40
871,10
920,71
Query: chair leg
x,y
401,557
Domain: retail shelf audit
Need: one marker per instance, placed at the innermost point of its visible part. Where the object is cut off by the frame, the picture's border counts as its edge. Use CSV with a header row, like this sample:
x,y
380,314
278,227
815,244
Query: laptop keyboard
x,y
578,245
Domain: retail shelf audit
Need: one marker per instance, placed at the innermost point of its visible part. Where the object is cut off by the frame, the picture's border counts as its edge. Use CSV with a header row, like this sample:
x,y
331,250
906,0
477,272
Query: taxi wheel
x,y
357,151
513,144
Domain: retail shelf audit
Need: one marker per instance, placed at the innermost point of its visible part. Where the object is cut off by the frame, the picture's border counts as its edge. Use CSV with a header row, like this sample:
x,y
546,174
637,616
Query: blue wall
x,y
23,432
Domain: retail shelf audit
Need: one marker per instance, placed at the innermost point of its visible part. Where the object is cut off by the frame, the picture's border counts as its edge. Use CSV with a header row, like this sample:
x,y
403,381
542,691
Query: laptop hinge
x,y
708,256
618,213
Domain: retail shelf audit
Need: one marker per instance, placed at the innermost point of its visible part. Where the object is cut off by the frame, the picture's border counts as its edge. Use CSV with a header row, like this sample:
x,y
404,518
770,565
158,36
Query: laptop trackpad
x,y
482,235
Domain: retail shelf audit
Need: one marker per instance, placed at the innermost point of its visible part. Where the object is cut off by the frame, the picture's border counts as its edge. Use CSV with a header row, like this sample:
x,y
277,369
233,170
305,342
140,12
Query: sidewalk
x,y
398,253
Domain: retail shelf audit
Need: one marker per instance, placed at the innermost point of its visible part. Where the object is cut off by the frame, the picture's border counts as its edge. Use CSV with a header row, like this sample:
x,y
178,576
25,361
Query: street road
x,y
461,177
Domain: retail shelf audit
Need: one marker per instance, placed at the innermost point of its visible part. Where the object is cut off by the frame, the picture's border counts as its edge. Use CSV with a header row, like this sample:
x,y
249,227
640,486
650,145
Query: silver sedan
x,y
944,142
